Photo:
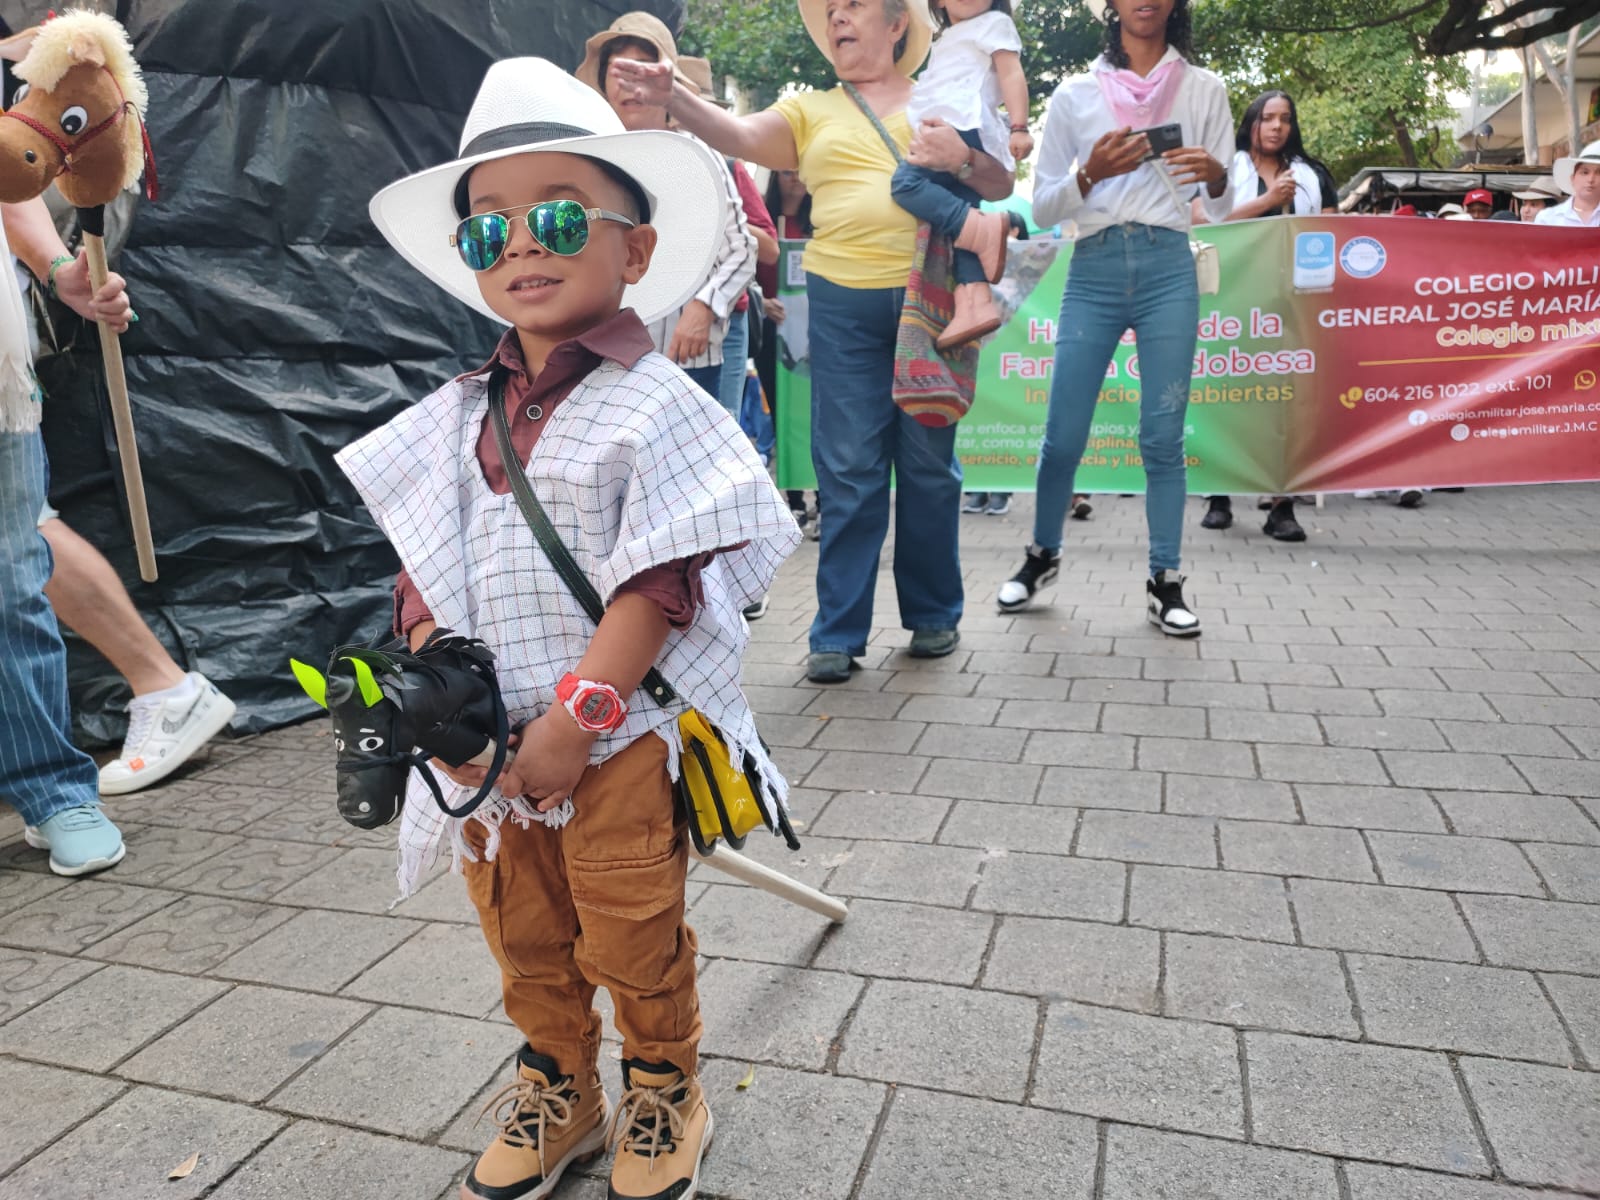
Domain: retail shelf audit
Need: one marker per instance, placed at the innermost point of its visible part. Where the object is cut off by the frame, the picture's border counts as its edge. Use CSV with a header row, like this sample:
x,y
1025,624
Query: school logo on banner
x,y
1363,257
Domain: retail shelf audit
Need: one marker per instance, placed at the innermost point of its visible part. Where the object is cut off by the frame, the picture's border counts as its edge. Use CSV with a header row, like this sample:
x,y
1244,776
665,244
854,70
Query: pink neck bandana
x,y
1141,101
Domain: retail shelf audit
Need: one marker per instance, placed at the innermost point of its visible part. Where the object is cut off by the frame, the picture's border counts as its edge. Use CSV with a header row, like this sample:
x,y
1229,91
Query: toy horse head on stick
x,y
78,121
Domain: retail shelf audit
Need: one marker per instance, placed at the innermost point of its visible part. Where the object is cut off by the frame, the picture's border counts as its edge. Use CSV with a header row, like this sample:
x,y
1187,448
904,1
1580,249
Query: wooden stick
x,y
768,880
122,417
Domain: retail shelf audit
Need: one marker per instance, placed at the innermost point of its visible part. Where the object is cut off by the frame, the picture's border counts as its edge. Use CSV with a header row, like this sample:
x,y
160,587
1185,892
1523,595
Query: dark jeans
x,y
943,201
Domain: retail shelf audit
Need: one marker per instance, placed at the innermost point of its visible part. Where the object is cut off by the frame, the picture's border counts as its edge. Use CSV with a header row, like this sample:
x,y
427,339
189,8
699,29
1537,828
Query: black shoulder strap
x,y
549,540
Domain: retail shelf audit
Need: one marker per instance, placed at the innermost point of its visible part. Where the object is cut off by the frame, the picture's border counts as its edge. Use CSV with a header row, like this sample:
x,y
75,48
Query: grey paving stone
x,y
1543,1122
157,852
929,1034
1369,807
29,976
1214,795
1545,710
128,1149
254,869
18,888
940,1145
1453,862
1506,738
908,941
1206,694
316,950
368,1080
851,770
1453,1006
1048,714
1148,837
1284,673
1188,756
1320,852
1298,729
446,968
1043,885
1541,934
908,871
1109,750
1213,670
1559,777
1453,771
1369,1182
1383,733
826,1125
1383,920
445,899
812,864
1198,901
1257,985
1149,1070
1449,706
971,710
1010,827
974,742
193,935
1118,691
94,1023
360,880
1578,999
56,1102
1020,687
882,737
1510,683
1319,764
313,1159
882,816
758,1012
1371,1102
1008,783
1160,721
1076,960
739,922
90,910
1519,817
1093,787
1150,1164
1331,701
246,1044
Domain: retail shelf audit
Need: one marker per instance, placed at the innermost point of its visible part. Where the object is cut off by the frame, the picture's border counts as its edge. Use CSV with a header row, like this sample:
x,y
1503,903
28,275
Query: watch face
x,y
597,709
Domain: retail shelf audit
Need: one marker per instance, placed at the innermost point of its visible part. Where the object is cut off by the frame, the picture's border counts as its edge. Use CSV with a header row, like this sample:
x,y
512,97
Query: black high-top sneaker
x,y
1167,607
1219,513
1281,524
1039,570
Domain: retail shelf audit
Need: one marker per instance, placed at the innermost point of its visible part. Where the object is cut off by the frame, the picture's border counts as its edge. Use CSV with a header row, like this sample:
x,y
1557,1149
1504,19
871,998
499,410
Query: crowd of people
x,y
609,219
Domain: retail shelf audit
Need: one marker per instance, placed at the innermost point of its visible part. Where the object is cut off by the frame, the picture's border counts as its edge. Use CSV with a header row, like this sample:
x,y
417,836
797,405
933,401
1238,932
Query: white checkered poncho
x,y
636,467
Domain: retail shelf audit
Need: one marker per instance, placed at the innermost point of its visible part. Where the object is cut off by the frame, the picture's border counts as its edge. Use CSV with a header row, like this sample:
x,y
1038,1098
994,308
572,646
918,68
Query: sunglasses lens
x,y
561,226
482,240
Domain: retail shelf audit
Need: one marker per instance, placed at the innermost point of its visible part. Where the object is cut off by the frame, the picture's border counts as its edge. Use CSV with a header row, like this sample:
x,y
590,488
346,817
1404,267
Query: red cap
x,y
1479,196
1405,210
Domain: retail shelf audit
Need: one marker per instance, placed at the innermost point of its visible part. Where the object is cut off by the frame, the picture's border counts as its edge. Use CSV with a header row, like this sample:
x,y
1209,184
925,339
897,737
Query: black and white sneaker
x,y
1039,570
1167,607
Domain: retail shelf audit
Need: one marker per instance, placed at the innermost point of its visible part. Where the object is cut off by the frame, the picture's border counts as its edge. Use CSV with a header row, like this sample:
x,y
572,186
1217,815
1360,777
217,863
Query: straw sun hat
x,y
529,105
919,33
639,25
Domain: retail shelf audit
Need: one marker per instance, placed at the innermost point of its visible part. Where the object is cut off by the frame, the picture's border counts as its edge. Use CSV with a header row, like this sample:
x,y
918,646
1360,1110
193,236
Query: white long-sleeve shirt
x,y
1079,115
732,272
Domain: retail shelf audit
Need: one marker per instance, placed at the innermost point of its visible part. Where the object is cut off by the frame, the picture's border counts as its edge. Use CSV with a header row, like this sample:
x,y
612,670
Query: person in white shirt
x,y
1131,267
975,66
1579,177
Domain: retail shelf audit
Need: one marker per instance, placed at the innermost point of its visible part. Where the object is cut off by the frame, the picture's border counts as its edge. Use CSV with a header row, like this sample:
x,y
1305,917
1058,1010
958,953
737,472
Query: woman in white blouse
x,y
1131,268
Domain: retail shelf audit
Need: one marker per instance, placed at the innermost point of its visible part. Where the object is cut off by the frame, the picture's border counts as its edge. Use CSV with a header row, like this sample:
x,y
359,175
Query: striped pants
x,y
41,771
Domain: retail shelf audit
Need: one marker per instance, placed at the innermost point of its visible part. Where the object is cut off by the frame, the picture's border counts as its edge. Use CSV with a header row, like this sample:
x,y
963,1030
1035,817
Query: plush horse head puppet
x,y
79,120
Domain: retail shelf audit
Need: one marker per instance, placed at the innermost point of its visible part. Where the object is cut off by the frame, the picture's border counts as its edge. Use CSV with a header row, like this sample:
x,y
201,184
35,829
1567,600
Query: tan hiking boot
x,y
548,1121
975,316
661,1129
985,233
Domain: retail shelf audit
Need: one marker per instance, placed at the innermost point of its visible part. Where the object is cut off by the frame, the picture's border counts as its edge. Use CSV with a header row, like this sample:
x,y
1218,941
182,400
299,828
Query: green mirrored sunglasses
x,y
560,226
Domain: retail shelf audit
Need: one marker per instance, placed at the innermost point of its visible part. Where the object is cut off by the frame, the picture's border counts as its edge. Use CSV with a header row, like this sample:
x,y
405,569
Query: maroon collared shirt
x,y
673,586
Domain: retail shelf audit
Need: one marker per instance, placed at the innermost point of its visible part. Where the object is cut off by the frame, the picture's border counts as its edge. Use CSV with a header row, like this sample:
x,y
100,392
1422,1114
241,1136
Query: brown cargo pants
x,y
597,903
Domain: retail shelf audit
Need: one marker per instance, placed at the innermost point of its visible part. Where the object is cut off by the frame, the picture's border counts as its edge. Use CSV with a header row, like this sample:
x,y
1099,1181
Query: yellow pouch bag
x,y
719,800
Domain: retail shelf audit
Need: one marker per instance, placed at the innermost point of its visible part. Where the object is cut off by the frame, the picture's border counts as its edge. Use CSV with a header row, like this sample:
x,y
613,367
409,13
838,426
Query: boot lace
x,y
648,1121
523,1110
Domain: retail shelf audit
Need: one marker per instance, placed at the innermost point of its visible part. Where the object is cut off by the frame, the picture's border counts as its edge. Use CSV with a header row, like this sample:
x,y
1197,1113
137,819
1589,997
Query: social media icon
x,y
1417,417
1351,398
1584,380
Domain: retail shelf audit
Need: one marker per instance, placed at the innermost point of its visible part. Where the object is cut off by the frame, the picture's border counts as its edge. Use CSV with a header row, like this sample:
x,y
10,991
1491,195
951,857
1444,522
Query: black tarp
x,y
276,325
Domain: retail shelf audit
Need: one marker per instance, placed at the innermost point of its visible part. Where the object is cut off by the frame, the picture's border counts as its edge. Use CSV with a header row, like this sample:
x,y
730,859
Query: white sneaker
x,y
164,733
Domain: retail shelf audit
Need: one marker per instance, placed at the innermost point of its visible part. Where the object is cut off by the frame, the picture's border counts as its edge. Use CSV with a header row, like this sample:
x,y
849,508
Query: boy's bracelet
x,y
1019,129
56,264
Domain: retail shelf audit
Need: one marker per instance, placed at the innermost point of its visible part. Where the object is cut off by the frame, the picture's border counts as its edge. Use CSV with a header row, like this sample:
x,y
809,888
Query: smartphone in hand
x,y
1162,138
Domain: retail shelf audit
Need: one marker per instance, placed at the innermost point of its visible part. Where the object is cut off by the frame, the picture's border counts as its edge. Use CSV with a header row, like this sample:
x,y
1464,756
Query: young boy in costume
x,y
575,233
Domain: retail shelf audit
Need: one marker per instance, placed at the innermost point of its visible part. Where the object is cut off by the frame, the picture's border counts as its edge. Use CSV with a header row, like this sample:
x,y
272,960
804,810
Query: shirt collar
x,y
621,337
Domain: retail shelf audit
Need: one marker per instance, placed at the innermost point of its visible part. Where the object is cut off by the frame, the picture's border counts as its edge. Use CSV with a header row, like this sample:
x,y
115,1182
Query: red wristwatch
x,y
596,707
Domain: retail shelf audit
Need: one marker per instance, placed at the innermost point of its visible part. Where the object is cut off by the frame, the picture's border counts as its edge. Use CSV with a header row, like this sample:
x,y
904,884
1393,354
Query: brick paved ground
x,y
1308,909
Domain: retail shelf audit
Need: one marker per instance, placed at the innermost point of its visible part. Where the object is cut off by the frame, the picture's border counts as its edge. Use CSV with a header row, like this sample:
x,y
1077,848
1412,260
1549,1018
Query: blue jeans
x,y
944,202
41,771
735,356
707,379
1137,276
858,435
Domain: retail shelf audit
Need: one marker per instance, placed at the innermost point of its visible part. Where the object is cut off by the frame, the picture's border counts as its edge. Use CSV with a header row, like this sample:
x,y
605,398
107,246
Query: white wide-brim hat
x,y
1561,172
919,32
528,106
1542,188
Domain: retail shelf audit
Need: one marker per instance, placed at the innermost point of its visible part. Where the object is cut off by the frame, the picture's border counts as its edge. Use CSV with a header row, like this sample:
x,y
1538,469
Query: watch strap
x,y
545,534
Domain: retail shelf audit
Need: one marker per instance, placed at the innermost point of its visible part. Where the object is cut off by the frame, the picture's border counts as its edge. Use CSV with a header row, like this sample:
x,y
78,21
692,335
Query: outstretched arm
x,y
762,137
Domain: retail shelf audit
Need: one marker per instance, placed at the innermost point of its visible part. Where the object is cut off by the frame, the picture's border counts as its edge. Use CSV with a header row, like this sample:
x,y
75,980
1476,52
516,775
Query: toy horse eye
x,y
21,94
74,120
368,744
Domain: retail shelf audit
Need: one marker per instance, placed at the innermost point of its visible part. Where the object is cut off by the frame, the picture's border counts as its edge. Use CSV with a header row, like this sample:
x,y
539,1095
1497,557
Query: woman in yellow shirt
x,y
856,268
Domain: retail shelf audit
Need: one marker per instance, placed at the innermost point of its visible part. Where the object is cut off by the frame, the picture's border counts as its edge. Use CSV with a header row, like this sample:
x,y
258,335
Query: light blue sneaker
x,y
80,840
